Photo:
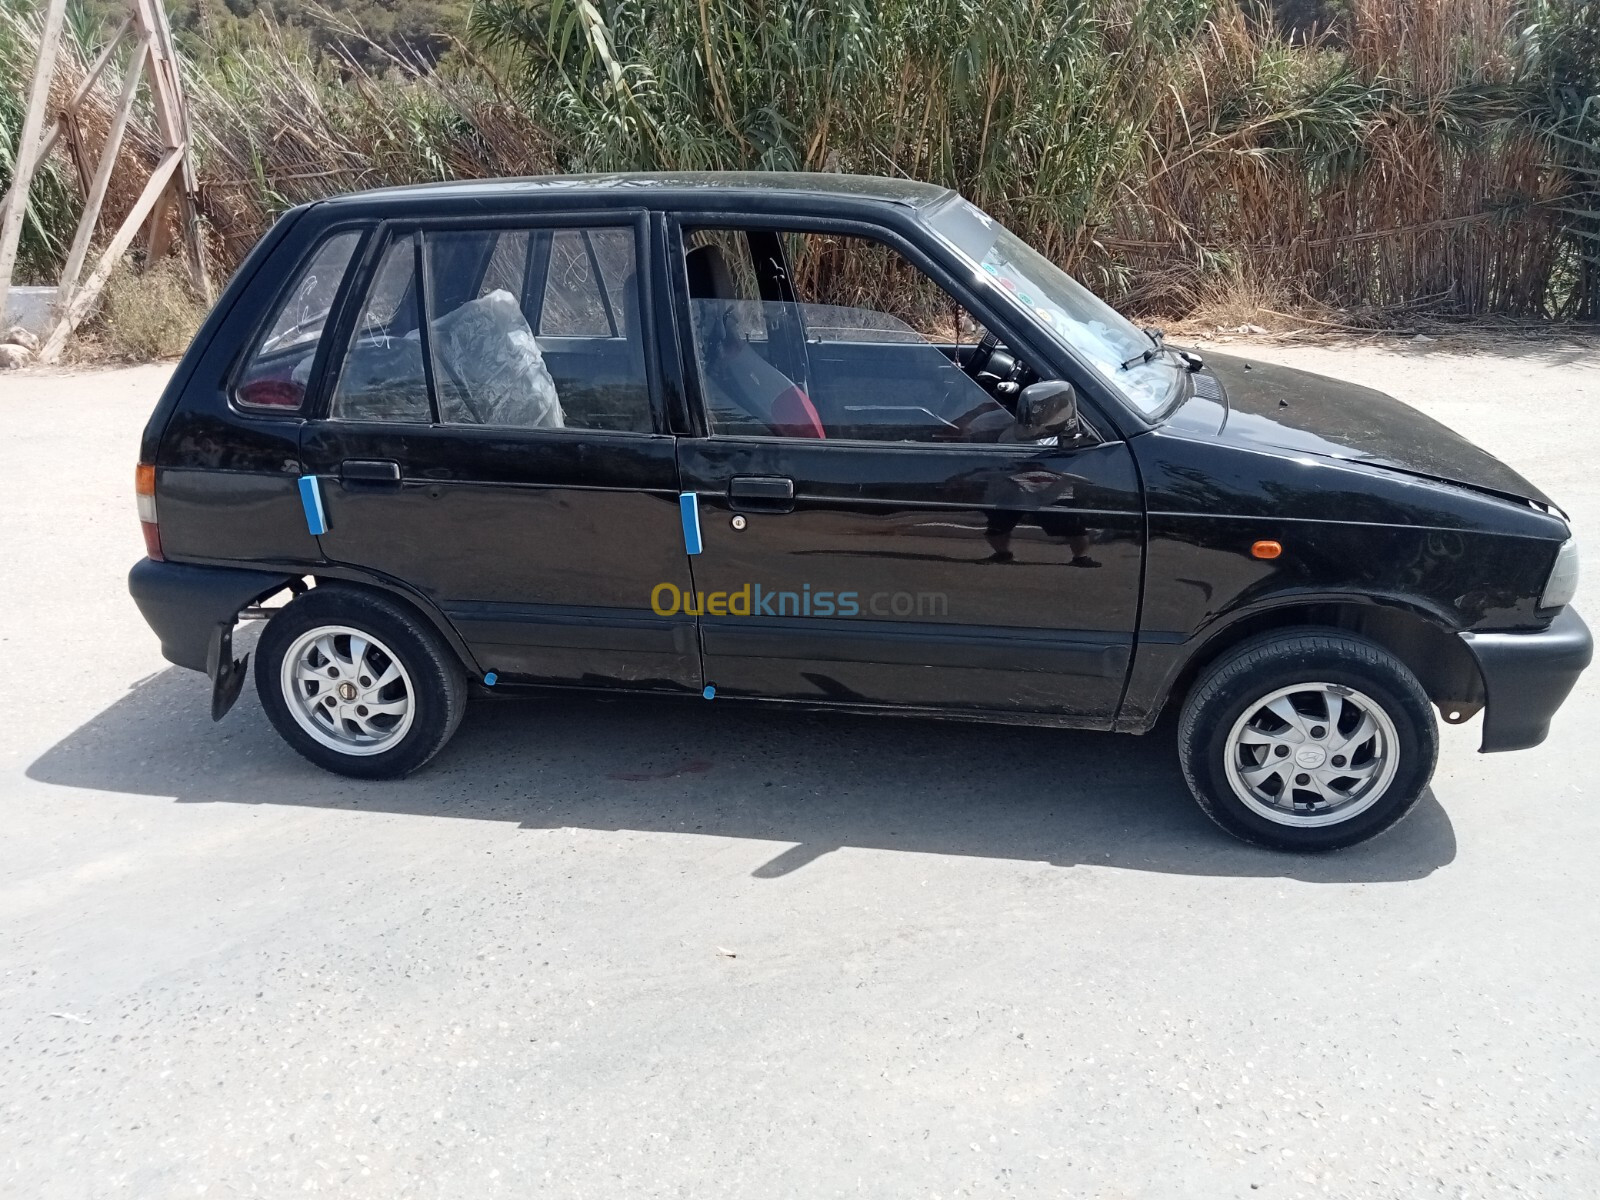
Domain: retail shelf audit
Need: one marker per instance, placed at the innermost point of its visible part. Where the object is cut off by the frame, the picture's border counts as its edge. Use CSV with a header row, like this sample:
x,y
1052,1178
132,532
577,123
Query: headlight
x,y
1563,580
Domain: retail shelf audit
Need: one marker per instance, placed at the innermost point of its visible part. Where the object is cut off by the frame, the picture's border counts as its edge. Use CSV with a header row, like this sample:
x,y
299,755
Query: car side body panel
x,y
229,480
1466,559
540,548
905,533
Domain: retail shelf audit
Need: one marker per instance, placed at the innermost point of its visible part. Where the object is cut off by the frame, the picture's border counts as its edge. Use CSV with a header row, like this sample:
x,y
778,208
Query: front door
x,y
506,456
873,528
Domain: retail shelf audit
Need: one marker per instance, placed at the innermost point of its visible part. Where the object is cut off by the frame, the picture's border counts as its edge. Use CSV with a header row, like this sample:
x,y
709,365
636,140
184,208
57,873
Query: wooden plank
x,y
172,115
27,156
165,87
83,299
157,234
194,239
109,152
55,131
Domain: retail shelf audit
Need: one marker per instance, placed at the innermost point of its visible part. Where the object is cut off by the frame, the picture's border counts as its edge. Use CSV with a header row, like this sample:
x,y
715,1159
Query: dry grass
x,y
1164,150
277,126
1410,164
1238,299
147,315
1190,164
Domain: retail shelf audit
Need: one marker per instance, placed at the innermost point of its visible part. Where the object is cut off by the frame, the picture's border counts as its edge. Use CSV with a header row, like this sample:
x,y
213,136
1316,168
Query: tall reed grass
x,y
1424,153
1436,154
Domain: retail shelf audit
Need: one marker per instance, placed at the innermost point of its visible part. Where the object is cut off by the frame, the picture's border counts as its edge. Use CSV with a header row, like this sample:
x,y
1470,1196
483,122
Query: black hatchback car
x,y
822,440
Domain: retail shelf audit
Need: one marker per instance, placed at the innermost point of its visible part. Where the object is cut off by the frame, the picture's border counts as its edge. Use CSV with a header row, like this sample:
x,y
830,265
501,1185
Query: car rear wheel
x,y
1307,740
358,684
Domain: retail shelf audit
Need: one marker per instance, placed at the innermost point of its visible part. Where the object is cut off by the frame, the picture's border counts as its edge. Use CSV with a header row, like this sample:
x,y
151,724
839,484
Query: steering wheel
x,y
981,356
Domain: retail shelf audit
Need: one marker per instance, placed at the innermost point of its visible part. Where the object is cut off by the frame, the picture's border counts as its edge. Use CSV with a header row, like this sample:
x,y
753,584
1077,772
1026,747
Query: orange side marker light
x,y
1267,549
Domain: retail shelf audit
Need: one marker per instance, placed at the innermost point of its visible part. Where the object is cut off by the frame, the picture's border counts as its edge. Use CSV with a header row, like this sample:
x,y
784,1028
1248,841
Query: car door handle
x,y
370,472
761,493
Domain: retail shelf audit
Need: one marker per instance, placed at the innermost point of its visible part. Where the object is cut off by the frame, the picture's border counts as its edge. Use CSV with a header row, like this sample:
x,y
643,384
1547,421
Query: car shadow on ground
x,y
819,781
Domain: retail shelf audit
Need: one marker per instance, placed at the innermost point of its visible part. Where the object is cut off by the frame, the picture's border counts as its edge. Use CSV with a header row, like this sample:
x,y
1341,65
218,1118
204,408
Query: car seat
x,y
736,376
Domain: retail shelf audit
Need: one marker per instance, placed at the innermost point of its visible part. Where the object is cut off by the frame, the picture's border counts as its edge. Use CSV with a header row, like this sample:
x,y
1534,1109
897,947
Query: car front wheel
x,y
1307,740
358,684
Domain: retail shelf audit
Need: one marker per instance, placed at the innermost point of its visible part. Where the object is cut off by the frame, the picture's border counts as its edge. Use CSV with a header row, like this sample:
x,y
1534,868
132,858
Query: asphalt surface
x,y
628,949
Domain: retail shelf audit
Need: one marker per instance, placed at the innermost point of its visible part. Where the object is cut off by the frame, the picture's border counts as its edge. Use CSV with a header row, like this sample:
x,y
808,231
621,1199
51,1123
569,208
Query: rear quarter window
x,y
278,368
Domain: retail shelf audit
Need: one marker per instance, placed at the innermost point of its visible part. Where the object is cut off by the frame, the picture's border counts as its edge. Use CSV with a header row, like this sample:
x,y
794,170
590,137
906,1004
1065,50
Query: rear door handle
x,y
761,493
370,472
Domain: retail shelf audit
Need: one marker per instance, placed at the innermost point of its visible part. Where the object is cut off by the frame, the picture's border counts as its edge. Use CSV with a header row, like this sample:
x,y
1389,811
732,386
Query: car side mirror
x,y
1047,409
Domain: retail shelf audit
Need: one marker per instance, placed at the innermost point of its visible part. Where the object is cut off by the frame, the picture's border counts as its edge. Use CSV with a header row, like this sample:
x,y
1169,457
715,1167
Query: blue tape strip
x,y
689,506
311,501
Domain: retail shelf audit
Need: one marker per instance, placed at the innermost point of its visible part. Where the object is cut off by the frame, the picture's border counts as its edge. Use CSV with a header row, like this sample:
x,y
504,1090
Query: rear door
x,y
507,456
897,545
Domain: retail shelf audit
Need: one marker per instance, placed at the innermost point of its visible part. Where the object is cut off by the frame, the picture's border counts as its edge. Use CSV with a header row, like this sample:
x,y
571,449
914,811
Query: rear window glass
x,y
529,328
584,294
279,367
382,378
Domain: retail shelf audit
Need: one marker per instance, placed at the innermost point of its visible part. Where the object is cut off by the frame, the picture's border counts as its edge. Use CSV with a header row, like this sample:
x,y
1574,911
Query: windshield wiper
x,y
1158,343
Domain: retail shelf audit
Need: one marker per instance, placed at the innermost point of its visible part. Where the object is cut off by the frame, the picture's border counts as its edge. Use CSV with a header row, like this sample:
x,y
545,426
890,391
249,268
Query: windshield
x,y
1071,311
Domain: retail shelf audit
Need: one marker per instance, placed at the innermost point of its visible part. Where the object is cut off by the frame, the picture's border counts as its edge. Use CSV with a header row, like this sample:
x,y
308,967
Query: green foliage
x,y
52,201
1561,47
1027,107
1443,154
1146,143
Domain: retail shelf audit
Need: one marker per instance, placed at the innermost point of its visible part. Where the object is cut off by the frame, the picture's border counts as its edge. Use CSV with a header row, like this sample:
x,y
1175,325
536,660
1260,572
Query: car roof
x,y
673,187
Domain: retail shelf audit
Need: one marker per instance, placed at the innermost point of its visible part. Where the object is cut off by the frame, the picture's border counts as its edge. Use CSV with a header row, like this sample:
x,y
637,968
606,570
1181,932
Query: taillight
x,y
144,487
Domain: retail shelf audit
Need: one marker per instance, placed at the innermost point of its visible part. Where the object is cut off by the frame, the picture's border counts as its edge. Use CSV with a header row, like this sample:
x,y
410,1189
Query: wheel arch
x,y
432,679
428,613
1440,660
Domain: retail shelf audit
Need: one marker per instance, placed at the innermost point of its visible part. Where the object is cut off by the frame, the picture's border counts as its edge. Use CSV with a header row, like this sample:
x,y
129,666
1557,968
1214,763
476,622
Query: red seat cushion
x,y
793,415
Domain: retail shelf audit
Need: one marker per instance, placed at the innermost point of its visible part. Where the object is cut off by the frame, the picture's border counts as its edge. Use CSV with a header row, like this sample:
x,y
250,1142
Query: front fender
x,y
1161,660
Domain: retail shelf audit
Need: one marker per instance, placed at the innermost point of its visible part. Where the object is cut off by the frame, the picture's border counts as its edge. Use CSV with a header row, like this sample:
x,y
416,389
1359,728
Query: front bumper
x,y
1526,676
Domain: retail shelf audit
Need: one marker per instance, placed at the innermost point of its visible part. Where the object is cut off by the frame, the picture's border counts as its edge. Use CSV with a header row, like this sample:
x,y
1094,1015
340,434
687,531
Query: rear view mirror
x,y
1047,409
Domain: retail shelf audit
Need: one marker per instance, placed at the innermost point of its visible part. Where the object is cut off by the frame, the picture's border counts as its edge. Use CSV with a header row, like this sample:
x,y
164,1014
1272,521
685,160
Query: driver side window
x,y
821,335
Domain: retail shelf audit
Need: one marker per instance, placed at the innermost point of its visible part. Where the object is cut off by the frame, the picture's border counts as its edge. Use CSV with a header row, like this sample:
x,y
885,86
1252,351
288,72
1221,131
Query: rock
x,y
1257,330
12,356
1422,337
18,336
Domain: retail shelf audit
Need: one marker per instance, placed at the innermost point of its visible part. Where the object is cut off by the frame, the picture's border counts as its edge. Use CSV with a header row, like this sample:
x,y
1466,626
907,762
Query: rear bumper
x,y
192,609
1526,676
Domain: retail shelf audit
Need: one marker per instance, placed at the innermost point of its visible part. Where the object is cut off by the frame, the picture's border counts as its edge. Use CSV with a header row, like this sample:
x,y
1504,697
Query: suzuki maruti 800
x,y
826,441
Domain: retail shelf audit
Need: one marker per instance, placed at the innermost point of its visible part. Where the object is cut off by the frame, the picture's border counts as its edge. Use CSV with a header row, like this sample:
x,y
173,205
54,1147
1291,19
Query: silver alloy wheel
x,y
1311,755
347,689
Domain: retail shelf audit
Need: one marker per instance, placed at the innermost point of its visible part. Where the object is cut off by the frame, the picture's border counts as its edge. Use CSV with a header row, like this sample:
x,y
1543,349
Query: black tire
x,y
1238,683
437,691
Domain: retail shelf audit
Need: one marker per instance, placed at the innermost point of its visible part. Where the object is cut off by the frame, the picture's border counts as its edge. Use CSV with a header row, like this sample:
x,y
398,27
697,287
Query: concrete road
x,y
630,950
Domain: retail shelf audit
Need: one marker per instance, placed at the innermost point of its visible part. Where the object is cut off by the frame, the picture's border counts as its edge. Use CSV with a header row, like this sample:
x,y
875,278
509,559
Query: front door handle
x,y
370,472
761,493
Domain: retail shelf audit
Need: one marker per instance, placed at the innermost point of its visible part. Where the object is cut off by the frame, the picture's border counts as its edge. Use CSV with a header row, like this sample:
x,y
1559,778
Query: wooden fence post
x,y
28,147
171,182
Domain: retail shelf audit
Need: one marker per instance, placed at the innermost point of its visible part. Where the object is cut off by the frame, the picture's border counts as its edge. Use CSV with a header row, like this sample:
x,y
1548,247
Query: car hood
x,y
1295,410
